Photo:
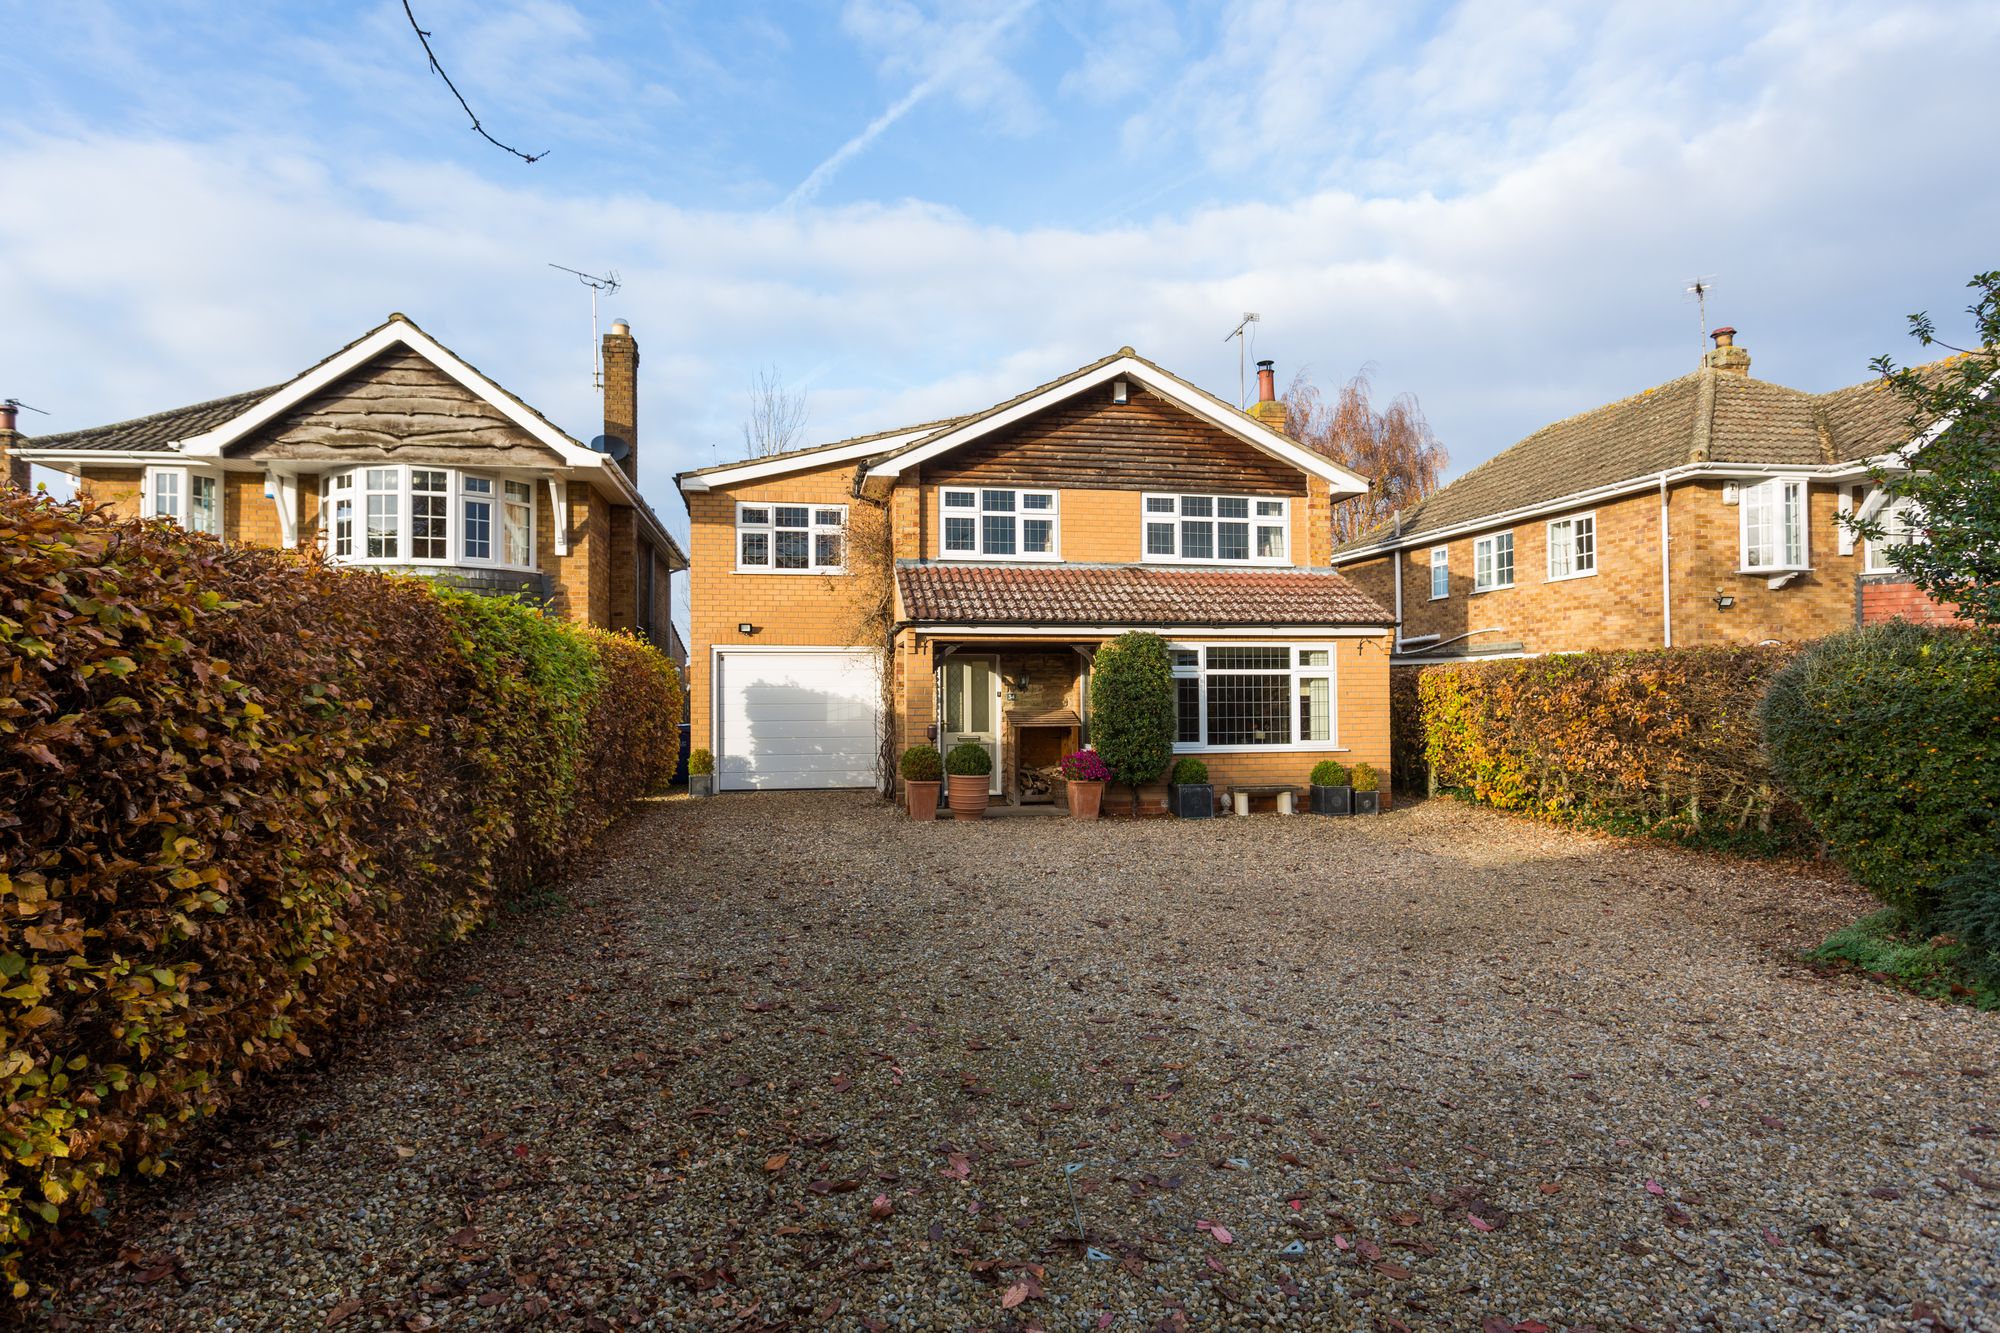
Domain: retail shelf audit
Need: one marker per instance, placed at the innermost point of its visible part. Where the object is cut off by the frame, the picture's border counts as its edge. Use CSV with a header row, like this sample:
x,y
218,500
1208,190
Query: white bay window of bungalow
x,y
398,514
191,497
1247,697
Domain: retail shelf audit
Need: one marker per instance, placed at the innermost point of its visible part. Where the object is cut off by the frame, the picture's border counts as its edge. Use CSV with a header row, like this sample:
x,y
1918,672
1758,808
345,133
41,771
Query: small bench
x,y
1239,796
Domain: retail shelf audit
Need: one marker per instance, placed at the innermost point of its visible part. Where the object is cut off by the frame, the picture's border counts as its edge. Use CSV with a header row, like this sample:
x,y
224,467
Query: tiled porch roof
x,y
1134,595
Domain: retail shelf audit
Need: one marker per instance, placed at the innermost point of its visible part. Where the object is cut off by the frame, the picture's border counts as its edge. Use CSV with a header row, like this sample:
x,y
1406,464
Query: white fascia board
x,y
757,468
1248,429
212,442
944,631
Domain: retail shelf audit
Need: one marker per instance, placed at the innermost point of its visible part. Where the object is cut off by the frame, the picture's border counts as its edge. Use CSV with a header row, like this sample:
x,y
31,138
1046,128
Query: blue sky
x,y
920,208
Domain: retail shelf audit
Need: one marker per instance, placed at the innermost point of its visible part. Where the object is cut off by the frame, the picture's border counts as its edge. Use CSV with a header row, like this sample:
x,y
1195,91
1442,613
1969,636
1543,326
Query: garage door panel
x,y
797,719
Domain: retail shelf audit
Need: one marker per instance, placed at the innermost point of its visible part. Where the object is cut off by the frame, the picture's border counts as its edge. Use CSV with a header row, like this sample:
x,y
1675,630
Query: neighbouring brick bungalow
x,y
953,581
1556,544
394,454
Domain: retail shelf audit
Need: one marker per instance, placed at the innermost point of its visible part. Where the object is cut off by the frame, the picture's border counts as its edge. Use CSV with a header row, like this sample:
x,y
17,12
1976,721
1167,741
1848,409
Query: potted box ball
x,y
701,773
1367,790
968,769
922,768
1084,776
1190,795
1331,792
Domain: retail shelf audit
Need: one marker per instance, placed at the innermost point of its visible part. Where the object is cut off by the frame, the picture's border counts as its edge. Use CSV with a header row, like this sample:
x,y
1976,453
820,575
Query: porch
x,y
1026,703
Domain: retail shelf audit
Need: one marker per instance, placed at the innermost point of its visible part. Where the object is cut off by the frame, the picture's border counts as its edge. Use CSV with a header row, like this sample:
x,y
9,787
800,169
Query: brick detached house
x,y
952,582
394,454
1702,511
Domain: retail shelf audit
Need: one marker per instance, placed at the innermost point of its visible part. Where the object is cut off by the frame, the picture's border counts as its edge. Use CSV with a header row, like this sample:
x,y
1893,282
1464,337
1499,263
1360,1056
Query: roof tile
x,y
1136,595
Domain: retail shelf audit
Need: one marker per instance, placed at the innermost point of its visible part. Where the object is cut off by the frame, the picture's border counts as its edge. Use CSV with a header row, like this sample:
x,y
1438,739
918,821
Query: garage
x,y
796,717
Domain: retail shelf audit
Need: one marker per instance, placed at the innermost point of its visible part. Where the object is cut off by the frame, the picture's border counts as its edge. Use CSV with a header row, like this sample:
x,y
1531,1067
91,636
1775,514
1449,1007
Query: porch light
x,y
1723,601
746,628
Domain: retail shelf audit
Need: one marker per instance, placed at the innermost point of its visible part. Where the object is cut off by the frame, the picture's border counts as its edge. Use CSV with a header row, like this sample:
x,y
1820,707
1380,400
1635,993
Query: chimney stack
x,y
1726,356
621,393
1267,408
13,471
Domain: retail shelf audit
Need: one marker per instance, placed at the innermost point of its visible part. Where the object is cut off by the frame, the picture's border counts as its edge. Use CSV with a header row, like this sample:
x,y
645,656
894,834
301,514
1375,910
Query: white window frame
x,y
1199,671
356,492
1570,521
182,511
1751,497
1050,508
1485,575
1875,558
1440,564
1175,517
768,527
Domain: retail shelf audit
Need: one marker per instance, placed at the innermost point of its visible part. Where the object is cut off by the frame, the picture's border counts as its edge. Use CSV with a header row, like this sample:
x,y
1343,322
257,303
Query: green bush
x,y
1132,708
1885,945
1969,910
921,763
1366,778
1889,739
1329,773
701,763
968,759
1190,772
243,797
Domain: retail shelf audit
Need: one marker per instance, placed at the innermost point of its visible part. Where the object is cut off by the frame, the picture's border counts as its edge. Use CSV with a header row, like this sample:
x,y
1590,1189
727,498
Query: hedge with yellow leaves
x,y
242,796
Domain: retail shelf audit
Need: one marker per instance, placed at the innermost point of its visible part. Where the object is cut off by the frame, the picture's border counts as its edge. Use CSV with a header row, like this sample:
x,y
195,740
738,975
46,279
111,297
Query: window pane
x,y
1232,541
1503,558
343,526
1584,545
1795,528
476,485
382,479
1232,506
755,517
999,532
382,527
1159,504
167,495
478,528
793,549
428,502
204,513
1315,708
997,502
1270,508
1249,709
756,548
1187,710
826,550
1559,549
1037,536
1038,502
1159,539
960,535
1185,658
958,499
1270,543
1440,573
1315,657
828,518
1259,657
517,525
1197,541
791,516
1197,506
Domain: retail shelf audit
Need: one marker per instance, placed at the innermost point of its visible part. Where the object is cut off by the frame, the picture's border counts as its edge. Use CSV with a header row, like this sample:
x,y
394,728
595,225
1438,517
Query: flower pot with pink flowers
x,y
1084,775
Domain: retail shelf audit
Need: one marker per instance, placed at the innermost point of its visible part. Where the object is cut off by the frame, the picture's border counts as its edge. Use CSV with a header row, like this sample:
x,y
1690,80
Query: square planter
x,y
1368,803
701,784
1191,800
1331,800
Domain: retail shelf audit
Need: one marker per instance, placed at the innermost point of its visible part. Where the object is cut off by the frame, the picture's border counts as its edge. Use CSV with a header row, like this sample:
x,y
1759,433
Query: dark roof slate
x,y
1137,595
156,432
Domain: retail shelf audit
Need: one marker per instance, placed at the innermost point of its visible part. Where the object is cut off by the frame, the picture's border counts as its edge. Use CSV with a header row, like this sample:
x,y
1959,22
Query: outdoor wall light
x,y
746,628
1723,601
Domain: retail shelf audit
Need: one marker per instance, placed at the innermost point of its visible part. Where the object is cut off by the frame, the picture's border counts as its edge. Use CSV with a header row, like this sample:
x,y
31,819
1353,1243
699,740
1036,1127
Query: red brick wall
x,y
1897,599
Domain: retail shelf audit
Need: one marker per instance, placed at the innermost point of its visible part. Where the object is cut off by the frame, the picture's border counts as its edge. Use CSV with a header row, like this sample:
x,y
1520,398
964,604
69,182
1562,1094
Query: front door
x,y
972,707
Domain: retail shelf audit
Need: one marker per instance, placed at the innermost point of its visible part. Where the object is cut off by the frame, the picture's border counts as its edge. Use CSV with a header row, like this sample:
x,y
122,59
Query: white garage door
x,y
797,719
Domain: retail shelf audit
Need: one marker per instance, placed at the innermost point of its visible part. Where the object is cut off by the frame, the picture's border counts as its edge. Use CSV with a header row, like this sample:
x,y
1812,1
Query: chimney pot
x,y
1268,409
8,416
1726,356
1724,336
1267,382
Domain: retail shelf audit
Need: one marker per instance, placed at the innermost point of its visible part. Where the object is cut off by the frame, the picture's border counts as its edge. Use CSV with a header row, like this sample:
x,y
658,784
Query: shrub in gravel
x,y
1889,739
242,796
1132,708
921,763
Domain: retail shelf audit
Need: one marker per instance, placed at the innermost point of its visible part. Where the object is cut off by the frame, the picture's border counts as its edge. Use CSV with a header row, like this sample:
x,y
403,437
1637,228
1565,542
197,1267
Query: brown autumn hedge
x,y
242,796
1662,741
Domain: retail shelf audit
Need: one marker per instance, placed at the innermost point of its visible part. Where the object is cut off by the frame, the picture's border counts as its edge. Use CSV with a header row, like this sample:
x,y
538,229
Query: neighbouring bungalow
x,y
953,582
394,454
1702,511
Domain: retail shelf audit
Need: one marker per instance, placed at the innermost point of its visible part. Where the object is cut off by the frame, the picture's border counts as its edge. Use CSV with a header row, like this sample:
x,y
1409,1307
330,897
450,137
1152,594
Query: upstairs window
x,y
1573,546
791,539
1216,529
1493,562
1772,515
998,524
1440,573
190,497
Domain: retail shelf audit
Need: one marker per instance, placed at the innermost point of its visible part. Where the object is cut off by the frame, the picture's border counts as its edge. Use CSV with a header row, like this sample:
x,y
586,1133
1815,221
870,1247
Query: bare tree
x,y
1394,448
777,417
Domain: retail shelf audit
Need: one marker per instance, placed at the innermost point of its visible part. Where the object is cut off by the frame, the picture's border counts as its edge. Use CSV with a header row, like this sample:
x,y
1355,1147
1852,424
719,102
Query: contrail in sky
x,y
847,152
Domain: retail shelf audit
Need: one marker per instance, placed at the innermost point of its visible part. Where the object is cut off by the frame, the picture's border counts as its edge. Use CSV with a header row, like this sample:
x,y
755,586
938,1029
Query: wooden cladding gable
x,y
397,408
1091,443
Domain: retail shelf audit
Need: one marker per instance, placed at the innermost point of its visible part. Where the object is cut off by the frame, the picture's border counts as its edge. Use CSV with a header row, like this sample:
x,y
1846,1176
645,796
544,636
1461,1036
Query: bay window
x,y
1899,528
791,539
1204,529
190,497
1493,562
1253,696
1572,546
426,516
997,524
1772,516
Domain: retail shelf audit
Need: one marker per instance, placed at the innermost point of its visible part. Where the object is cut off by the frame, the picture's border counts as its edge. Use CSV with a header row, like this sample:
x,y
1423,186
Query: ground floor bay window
x,y
1253,696
398,514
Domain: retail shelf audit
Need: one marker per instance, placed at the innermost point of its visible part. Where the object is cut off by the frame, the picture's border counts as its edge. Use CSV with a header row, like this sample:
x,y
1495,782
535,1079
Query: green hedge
x,y
242,796
1889,738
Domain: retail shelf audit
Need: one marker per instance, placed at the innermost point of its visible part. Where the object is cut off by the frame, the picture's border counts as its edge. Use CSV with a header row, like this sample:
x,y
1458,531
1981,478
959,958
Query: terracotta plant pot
x,y
968,795
1085,799
923,799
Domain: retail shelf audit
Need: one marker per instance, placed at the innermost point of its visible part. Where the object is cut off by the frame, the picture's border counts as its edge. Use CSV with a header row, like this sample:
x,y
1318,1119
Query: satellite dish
x,y
611,444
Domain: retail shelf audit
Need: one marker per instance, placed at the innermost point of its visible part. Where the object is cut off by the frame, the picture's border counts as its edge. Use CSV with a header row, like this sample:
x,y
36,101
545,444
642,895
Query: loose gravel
x,y
792,1061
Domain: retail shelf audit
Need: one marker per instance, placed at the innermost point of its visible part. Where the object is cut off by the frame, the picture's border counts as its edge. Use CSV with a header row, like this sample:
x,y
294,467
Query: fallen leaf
x,y
342,1311
776,1161
1479,1223
1551,1187
880,1207
1655,1187
404,1150
490,1299
1026,1289
1389,1270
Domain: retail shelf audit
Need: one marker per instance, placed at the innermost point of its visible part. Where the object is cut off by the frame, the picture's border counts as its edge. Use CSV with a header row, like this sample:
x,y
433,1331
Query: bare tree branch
x,y
1393,447
425,38
777,415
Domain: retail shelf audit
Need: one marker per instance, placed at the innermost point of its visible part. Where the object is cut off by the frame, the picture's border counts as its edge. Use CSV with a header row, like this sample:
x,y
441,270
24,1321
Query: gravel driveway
x,y
792,1061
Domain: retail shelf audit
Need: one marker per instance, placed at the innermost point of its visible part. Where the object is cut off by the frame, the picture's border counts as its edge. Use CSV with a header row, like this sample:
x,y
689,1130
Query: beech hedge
x,y
1661,741
242,796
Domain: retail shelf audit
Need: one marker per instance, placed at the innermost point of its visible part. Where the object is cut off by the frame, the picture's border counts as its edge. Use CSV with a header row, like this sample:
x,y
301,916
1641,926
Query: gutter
x,y
1666,571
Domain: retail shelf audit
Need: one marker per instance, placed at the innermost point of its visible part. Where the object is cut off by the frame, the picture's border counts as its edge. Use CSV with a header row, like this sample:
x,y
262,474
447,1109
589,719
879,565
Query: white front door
x,y
796,718
972,707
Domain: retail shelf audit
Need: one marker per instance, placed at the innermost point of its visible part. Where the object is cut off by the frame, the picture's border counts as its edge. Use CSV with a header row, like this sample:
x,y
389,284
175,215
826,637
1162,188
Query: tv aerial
x,y
598,286
1240,334
1697,291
